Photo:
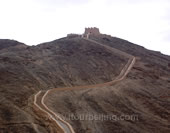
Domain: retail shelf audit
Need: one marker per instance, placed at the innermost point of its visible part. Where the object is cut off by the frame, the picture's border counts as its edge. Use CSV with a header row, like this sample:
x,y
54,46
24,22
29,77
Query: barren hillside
x,y
25,70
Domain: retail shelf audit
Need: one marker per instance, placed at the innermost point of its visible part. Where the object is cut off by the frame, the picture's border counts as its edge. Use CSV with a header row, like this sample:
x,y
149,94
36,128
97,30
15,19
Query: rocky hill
x,y
74,61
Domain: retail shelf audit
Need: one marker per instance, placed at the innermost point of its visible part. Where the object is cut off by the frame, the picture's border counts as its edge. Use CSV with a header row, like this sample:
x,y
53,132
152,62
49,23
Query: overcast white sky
x,y
144,22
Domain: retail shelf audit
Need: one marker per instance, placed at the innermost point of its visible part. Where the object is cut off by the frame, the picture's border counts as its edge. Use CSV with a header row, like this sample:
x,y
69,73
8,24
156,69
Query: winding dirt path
x,y
39,98
39,102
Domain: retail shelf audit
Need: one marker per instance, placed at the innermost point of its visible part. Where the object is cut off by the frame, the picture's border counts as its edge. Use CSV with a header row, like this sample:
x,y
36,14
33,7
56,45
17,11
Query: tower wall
x,y
93,31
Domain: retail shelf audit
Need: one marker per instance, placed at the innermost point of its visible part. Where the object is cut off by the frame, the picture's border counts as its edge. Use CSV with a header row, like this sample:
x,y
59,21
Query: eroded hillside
x,y
65,62
75,61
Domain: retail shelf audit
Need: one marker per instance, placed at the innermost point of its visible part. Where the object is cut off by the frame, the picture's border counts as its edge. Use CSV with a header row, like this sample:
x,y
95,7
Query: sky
x,y
143,22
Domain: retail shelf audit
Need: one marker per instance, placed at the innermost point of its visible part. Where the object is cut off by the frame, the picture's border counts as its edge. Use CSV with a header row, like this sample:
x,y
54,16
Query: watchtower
x,y
92,31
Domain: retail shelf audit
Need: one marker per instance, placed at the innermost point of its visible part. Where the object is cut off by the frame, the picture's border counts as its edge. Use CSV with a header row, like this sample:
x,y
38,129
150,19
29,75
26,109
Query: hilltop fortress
x,y
88,31
93,31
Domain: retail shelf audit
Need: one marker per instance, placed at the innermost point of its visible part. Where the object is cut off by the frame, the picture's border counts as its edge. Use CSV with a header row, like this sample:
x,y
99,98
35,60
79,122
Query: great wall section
x,y
39,98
